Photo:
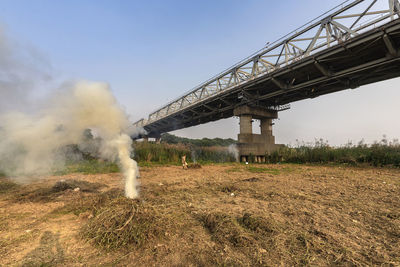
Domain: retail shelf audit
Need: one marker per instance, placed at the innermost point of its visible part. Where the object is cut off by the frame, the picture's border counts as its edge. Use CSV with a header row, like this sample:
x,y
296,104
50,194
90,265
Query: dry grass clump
x,y
88,203
251,179
257,224
6,185
228,188
113,221
194,166
83,186
224,228
242,231
121,223
46,194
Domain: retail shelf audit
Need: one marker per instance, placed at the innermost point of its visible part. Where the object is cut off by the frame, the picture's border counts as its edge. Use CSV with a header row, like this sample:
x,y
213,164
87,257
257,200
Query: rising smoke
x,y
233,150
36,142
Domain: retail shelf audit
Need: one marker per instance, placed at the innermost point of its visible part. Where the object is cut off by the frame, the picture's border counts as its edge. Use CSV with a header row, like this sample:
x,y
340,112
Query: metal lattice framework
x,y
330,29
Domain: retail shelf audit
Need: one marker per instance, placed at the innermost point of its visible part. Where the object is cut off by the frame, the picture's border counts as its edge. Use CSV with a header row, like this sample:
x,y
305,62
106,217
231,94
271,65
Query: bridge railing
x,y
334,27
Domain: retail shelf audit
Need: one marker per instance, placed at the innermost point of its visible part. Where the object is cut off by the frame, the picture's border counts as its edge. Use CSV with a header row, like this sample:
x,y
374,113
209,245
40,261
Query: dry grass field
x,y
217,215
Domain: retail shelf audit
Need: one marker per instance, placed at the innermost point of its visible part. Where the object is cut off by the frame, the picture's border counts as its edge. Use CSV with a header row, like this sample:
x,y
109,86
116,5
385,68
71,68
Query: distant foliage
x,y
382,153
205,142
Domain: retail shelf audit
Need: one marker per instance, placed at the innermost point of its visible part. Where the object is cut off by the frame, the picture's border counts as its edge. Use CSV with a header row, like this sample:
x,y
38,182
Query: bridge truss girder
x,y
342,50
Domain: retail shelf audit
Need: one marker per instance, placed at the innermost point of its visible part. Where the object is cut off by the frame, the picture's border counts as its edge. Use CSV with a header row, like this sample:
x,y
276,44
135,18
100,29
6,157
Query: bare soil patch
x,y
235,215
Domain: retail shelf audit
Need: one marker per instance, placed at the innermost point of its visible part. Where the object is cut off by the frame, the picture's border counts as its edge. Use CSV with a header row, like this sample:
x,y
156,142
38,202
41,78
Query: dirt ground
x,y
229,215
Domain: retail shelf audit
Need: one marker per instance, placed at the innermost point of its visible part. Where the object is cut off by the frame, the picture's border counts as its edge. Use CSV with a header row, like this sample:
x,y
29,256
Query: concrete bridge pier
x,y
255,146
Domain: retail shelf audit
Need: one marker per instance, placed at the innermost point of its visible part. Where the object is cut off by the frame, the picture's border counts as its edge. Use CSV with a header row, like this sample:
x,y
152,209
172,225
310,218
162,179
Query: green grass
x,y
157,164
234,169
273,171
254,169
91,166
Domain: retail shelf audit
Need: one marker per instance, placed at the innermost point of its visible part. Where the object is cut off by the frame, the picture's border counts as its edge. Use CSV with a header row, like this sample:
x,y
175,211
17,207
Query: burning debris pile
x,y
194,166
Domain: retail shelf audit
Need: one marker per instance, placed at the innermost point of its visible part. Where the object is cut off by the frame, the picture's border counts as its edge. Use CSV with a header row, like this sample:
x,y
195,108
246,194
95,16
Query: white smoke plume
x,y
233,150
36,142
23,70
193,154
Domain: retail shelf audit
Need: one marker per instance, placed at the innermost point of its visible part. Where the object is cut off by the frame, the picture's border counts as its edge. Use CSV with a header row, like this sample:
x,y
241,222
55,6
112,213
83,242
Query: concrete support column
x,y
246,124
266,126
252,145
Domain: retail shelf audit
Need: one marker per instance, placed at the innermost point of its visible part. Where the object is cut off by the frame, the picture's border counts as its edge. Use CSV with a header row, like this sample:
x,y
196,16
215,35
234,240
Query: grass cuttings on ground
x,y
253,240
44,194
242,231
302,216
252,237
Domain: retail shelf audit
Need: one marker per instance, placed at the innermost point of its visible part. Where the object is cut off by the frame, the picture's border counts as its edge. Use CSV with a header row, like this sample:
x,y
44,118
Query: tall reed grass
x,y
382,153
171,153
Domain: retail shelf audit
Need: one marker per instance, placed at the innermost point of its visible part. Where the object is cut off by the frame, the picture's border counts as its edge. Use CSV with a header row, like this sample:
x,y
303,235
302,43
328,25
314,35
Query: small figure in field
x,y
184,163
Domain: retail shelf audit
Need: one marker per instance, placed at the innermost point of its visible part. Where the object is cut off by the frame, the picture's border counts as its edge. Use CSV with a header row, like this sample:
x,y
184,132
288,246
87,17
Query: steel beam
x,y
390,45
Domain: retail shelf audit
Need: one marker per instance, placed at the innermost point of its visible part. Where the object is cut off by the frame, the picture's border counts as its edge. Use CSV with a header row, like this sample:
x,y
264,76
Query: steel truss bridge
x,y
354,44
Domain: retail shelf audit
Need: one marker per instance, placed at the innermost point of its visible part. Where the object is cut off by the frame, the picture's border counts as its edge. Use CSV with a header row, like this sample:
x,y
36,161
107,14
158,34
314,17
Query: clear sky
x,y
151,52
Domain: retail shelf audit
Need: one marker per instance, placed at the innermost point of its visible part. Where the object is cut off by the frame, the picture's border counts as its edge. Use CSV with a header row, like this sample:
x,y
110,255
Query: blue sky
x,y
151,52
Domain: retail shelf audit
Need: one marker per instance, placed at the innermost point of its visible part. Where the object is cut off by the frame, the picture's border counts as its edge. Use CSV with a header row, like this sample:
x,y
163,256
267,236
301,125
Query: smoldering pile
x,y
194,166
